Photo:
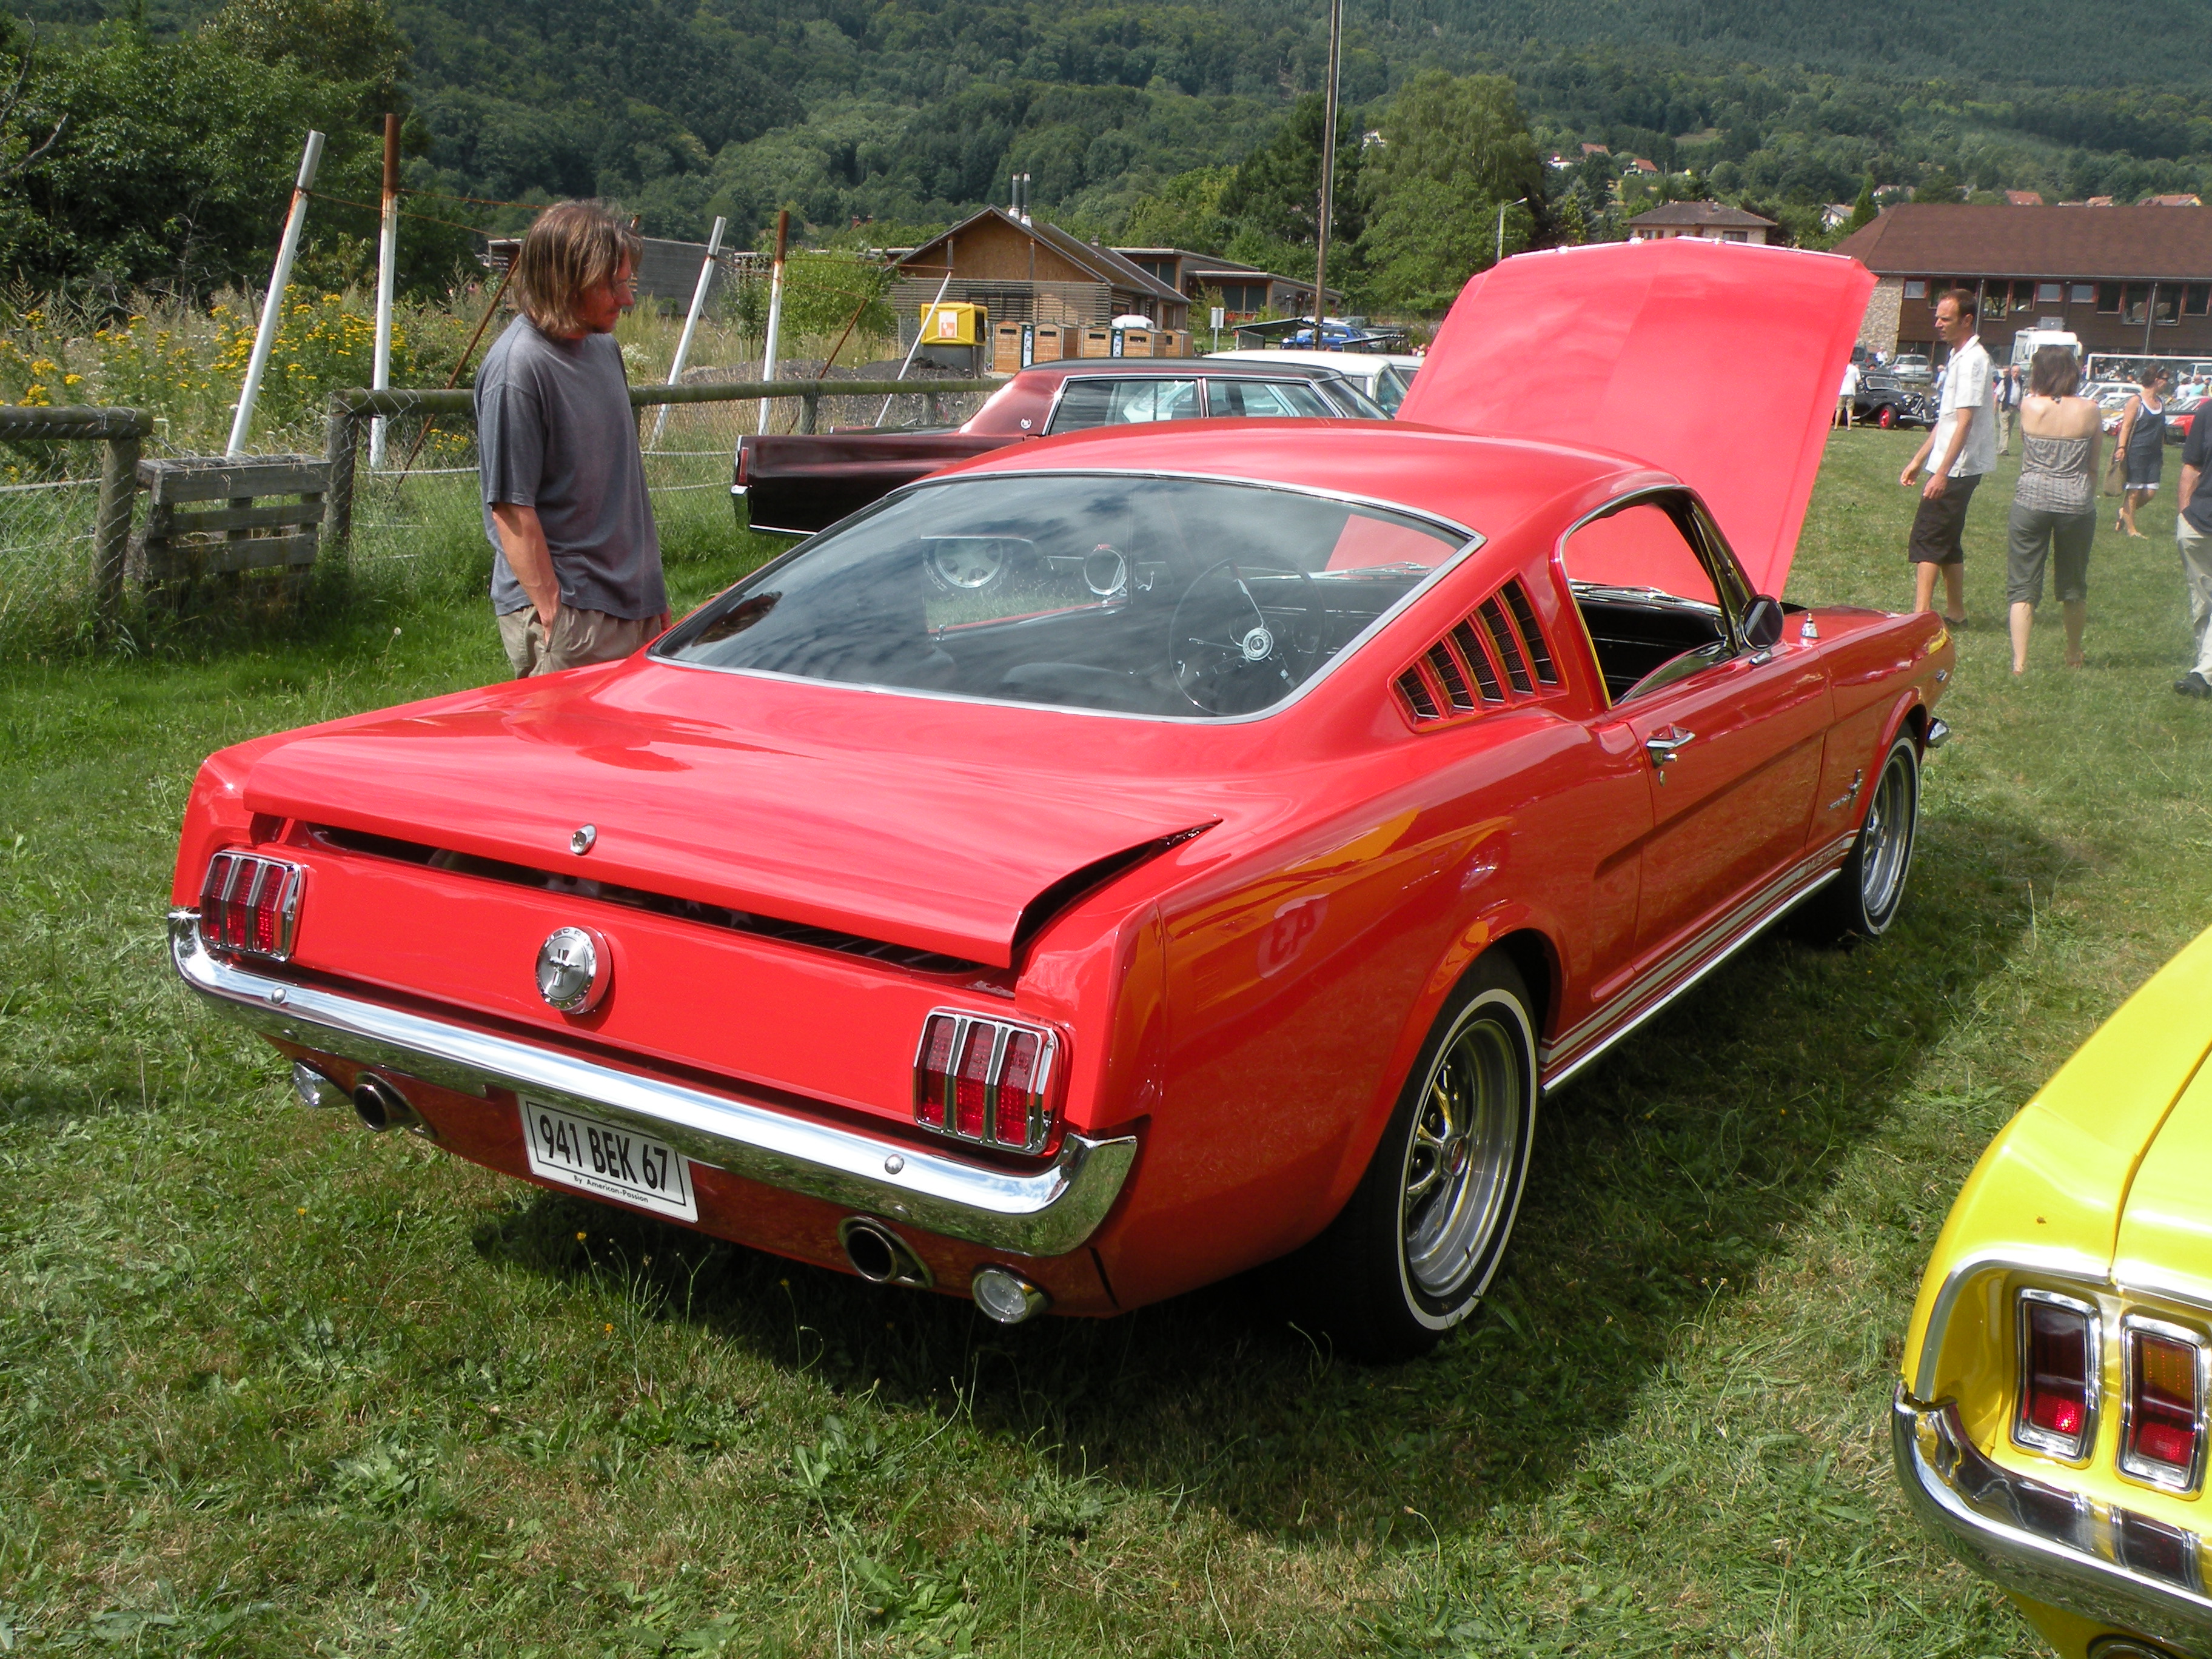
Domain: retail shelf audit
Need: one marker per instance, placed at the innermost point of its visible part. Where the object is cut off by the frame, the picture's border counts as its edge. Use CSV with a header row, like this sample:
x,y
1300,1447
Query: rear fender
x,y
1530,938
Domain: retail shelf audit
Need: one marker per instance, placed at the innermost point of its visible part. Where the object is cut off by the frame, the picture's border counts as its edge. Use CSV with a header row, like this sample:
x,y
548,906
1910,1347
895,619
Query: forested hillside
x,y
1137,118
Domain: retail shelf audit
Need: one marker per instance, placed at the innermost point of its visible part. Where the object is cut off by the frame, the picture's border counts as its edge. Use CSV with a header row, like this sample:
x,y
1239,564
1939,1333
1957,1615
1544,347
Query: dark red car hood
x,y
911,844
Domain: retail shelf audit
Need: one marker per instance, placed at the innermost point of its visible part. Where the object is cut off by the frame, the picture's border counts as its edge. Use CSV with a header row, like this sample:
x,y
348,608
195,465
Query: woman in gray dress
x,y
2054,507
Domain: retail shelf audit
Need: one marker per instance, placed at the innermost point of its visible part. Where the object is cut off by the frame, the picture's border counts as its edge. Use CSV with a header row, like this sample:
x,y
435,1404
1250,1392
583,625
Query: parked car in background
x,y
1913,368
800,483
2110,398
1883,400
1384,376
2050,1426
1229,882
2180,415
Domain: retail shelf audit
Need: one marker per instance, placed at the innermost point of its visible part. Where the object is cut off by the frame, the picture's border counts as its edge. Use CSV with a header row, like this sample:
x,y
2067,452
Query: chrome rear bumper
x,y
2044,1542
1049,1213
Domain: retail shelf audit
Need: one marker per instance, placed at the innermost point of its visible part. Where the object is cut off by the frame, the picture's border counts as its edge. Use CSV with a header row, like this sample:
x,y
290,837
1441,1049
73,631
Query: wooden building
x,y
1707,219
1025,270
1246,291
2123,279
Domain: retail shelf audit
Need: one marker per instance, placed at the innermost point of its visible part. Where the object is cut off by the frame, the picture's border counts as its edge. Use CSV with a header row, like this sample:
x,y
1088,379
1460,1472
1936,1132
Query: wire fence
x,y
421,508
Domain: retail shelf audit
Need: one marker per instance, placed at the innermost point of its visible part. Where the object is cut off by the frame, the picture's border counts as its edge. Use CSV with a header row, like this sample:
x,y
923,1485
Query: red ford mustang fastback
x,y
1227,880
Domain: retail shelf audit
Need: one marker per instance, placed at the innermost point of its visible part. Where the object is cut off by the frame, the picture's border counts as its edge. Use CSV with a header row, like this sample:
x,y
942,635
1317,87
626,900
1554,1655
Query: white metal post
x,y
920,323
272,307
387,259
775,310
691,321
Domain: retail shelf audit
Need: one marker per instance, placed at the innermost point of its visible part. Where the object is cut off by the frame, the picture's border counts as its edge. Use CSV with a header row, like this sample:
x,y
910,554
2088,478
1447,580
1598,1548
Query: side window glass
x,y
1089,403
1266,400
1653,614
1389,389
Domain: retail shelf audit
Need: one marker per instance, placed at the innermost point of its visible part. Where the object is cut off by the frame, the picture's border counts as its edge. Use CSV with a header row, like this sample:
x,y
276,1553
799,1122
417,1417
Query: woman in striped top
x,y
2054,506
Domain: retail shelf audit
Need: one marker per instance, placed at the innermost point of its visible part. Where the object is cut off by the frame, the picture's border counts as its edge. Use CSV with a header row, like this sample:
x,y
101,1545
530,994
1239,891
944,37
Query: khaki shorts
x,y
579,637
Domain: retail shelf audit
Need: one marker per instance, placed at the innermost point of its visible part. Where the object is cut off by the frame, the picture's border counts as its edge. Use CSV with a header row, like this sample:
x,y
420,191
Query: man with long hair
x,y
576,576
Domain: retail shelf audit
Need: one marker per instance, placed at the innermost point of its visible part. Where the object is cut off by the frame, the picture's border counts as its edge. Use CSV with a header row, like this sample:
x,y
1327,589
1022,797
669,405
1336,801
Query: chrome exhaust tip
x,y
1005,1295
380,1107
315,1087
880,1256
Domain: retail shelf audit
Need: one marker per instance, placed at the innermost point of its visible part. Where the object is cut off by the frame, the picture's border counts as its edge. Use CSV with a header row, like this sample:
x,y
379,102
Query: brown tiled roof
x,y
2023,199
1934,239
1106,265
1701,213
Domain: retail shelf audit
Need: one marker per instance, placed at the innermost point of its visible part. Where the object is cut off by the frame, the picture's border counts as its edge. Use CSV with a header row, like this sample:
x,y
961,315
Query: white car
x,y
1382,375
1913,368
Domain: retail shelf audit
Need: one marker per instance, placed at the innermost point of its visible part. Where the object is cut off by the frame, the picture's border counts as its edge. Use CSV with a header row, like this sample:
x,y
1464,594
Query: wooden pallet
x,y
236,530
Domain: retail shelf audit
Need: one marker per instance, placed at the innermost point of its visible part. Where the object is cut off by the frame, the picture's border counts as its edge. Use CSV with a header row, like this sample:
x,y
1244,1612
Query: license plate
x,y
607,1161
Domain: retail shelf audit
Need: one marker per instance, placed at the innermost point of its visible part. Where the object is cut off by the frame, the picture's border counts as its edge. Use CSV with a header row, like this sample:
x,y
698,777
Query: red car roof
x,y
1488,484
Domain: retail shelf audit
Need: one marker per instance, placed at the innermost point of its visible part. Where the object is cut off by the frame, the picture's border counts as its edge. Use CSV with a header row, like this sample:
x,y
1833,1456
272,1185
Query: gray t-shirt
x,y
554,432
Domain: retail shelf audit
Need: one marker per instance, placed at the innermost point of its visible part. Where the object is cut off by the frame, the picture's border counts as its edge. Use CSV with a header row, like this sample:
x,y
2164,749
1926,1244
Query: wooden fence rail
x,y
123,431
350,409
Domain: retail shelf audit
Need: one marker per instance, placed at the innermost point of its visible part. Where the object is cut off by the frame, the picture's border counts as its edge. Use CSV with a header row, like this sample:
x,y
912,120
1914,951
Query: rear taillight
x,y
250,905
2162,1433
932,1071
985,1080
2058,1374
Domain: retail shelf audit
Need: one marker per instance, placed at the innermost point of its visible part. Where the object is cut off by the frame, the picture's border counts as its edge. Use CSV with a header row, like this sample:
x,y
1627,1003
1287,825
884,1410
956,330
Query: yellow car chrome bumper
x,y
2046,1543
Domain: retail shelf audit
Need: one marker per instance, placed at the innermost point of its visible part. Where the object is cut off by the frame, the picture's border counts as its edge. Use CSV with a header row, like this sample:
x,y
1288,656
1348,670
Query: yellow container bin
x,y
954,323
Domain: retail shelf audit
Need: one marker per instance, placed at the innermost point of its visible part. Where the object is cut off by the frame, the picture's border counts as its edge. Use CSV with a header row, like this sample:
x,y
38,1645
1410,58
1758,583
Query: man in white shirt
x,y
1847,397
1965,442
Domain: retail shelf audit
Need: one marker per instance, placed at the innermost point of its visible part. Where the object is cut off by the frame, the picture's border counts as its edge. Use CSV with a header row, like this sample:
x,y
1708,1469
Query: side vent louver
x,y
1455,682
1460,673
1470,648
1509,647
1419,702
1532,637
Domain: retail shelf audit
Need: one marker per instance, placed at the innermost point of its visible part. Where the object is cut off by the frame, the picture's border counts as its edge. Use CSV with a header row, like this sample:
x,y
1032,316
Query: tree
x,y
1864,211
1456,152
1185,213
1276,193
20,148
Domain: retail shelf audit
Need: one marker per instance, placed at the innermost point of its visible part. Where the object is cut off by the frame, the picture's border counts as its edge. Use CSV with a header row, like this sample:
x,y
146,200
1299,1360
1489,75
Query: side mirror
x,y
1762,624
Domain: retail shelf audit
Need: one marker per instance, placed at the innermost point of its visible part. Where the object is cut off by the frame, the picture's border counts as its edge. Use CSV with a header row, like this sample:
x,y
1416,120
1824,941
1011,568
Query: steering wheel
x,y
1229,659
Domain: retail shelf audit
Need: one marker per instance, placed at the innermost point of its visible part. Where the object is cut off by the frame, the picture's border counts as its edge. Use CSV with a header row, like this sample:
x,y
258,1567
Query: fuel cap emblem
x,y
574,967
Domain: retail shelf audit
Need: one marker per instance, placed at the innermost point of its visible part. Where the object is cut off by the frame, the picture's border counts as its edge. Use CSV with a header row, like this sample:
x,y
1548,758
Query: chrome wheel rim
x,y
1464,1153
1886,841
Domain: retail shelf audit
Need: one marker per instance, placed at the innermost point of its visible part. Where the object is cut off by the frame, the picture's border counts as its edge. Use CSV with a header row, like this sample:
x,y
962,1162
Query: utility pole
x,y
1327,171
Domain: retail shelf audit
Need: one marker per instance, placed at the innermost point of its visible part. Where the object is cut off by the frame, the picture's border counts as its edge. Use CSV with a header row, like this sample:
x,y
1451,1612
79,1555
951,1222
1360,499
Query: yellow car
x,y
2050,1426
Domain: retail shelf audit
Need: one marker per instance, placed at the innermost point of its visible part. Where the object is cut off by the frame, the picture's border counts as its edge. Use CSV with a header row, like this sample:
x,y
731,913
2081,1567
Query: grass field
x,y
271,1385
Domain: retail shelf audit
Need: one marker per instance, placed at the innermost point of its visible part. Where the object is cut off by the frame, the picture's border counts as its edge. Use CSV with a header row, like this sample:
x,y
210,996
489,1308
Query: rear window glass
x,y
1165,596
1266,400
1087,403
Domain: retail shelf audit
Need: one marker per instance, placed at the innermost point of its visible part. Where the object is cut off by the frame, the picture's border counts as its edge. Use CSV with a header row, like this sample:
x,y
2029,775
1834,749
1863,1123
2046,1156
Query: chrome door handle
x,y
1662,746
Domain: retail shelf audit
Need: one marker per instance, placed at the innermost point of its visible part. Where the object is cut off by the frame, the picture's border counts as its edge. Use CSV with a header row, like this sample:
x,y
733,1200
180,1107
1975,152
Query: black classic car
x,y
1884,400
